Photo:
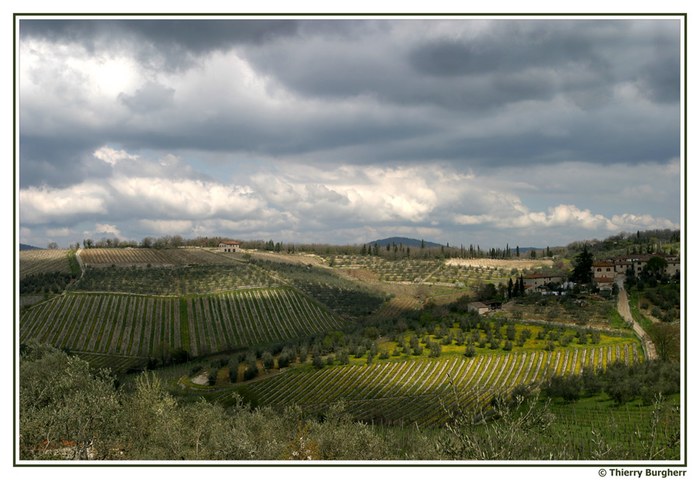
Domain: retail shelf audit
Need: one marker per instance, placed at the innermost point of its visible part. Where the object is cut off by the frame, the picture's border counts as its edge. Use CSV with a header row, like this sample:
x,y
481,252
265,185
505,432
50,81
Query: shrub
x,y
510,332
318,361
212,376
285,358
470,351
591,380
567,387
303,353
525,334
233,372
268,360
251,372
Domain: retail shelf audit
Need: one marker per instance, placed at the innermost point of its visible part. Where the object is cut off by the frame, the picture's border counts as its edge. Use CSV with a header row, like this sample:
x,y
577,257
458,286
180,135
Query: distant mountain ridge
x,y
406,242
24,246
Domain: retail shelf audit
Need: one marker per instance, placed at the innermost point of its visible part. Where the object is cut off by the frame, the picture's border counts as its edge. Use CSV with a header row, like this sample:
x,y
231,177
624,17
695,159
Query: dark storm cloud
x,y
194,35
305,128
509,46
662,79
176,43
262,134
200,36
593,141
49,160
493,64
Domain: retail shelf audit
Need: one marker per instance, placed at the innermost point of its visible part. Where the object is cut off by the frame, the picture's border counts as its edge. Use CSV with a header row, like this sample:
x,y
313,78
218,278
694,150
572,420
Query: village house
x,y
541,281
229,246
674,266
478,307
635,263
606,269
605,284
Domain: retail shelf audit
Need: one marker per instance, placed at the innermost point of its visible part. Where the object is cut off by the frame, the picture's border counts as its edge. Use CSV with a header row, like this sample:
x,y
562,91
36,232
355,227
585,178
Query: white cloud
x,y
631,222
65,85
112,156
180,198
371,194
107,229
45,204
562,215
146,195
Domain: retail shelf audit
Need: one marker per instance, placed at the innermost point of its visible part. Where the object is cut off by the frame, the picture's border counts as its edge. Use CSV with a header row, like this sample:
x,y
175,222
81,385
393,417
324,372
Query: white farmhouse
x,y
229,246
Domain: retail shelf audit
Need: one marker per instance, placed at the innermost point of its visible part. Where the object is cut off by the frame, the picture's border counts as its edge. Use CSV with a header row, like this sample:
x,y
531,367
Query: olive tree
x,y
66,411
510,429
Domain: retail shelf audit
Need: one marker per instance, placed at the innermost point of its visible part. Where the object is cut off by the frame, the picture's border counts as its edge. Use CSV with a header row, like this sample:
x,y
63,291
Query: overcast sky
x,y
467,131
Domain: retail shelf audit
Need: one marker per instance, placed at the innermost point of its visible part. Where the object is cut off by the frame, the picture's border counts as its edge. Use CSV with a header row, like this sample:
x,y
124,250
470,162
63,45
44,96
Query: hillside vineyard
x,y
142,326
402,342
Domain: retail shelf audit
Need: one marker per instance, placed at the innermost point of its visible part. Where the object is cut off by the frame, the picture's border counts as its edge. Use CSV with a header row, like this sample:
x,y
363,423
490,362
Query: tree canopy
x,y
583,262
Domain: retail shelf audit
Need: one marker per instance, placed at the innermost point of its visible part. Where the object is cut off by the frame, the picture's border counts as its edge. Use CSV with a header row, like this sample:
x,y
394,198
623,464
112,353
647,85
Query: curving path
x,y
623,307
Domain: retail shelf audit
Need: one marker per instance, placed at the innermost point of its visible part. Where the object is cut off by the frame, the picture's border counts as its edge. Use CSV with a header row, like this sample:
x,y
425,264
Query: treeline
x,y
167,241
399,251
394,251
623,383
638,243
47,282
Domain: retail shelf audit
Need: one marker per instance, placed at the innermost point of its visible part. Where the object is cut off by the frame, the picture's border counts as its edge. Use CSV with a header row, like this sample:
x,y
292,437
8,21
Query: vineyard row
x,y
422,391
150,326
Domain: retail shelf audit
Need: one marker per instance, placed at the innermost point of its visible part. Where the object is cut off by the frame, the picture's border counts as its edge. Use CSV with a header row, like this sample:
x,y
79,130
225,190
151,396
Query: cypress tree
x,y
510,288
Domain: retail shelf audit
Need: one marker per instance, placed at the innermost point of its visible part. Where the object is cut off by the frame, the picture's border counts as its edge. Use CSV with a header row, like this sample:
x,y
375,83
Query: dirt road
x,y
623,307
